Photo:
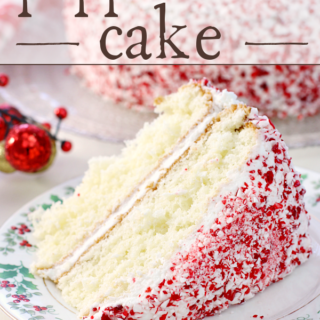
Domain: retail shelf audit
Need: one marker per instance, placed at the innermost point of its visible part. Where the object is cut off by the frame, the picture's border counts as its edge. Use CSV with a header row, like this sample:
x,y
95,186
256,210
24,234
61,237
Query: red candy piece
x,y
297,183
4,80
61,113
27,148
66,146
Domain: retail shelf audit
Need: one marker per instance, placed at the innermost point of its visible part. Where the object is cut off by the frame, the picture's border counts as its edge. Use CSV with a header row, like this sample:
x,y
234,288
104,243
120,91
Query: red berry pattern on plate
x,y
7,284
25,243
14,237
17,284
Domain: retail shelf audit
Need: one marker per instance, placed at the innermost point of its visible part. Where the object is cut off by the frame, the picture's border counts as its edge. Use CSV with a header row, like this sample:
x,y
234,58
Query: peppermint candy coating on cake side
x,y
255,234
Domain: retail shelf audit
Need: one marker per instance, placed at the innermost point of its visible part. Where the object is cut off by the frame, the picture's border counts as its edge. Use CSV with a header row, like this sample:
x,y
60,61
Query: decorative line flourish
x,y
276,43
48,44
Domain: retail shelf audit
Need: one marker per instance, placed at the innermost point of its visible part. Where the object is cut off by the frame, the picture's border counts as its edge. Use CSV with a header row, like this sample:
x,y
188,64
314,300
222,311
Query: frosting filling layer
x,y
157,225
221,100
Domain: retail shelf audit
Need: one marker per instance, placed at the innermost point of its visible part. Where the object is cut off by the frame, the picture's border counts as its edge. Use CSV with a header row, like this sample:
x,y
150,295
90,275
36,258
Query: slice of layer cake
x,y
218,217
114,184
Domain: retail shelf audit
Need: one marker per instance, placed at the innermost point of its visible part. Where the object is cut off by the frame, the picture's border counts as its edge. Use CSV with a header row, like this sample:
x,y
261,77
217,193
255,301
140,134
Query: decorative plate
x,y
24,296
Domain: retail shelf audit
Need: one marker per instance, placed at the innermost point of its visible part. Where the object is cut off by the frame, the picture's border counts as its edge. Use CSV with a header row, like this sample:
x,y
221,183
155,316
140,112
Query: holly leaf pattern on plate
x,y
8,274
21,289
46,206
25,271
55,198
31,312
29,284
8,266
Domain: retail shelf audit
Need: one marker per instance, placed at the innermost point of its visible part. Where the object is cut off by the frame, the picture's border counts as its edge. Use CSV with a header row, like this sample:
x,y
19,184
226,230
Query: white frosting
x,y
199,243
221,100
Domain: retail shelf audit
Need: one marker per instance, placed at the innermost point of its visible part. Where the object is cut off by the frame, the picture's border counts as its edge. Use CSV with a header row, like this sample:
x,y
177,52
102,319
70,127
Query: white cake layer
x,y
113,185
154,229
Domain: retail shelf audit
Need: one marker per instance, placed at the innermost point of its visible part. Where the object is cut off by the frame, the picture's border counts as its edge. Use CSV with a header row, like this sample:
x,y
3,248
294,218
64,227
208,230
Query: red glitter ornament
x,y
6,118
27,148
12,111
61,113
3,129
66,146
4,80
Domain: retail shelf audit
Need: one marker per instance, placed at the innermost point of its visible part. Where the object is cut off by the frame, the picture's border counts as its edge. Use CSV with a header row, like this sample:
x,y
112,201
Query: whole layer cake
x,y
201,211
278,90
9,21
